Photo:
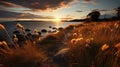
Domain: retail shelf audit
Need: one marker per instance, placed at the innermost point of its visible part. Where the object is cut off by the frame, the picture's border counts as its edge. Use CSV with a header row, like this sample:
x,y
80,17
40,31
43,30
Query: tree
x,y
94,15
118,12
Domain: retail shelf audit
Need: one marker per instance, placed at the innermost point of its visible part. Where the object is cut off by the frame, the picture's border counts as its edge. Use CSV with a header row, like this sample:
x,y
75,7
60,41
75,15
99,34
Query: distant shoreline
x,y
74,20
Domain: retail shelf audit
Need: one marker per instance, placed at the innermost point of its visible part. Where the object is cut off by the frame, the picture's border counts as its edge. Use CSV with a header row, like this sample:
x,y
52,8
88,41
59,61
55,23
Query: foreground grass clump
x,y
52,42
27,56
86,41
110,57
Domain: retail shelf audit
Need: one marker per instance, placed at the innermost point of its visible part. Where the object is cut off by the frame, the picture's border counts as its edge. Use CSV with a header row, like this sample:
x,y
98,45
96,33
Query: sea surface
x,y
11,26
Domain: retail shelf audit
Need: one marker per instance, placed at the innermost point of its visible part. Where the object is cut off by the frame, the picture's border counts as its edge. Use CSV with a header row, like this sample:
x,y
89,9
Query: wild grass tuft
x,y
27,56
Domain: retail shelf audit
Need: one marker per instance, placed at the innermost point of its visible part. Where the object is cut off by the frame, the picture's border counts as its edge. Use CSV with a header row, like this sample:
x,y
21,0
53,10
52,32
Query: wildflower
x,y
74,34
73,41
117,53
118,46
0,43
87,45
88,40
80,35
111,30
91,38
15,39
79,39
4,44
16,42
104,47
2,27
74,27
20,26
116,25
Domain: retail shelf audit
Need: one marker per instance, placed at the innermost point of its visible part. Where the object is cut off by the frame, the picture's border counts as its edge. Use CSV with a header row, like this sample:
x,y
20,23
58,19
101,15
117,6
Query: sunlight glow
x,y
57,19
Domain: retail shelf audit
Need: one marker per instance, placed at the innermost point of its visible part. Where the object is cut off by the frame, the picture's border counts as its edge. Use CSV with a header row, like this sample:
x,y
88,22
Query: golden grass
x,y
94,35
26,56
95,44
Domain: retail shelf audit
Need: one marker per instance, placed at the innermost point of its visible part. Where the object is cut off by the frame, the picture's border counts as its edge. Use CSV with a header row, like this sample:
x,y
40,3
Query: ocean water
x,y
11,26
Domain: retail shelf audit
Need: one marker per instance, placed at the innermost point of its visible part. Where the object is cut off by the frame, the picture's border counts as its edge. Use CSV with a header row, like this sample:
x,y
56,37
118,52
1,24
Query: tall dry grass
x,y
30,54
86,41
109,57
27,56
90,45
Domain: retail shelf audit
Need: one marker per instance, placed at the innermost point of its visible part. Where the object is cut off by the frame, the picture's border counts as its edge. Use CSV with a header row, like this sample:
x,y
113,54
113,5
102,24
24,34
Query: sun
x,y
57,19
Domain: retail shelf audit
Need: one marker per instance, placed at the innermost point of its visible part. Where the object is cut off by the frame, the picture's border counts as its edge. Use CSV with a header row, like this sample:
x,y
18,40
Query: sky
x,y
54,10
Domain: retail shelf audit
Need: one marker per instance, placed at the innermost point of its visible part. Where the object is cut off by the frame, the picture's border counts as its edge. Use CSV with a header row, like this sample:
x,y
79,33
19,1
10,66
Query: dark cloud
x,y
89,1
28,15
101,10
79,11
9,4
36,4
84,0
7,14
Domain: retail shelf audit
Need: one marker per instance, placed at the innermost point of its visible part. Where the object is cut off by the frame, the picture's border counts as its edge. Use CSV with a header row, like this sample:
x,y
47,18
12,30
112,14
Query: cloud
x,y
103,10
67,17
100,10
7,14
79,11
8,4
30,16
27,15
36,4
89,1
